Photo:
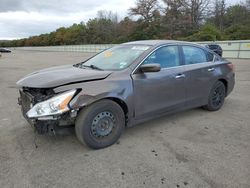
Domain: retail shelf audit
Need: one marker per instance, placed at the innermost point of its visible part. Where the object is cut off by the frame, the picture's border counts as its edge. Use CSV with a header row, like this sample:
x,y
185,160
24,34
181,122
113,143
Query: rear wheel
x,y
216,97
101,124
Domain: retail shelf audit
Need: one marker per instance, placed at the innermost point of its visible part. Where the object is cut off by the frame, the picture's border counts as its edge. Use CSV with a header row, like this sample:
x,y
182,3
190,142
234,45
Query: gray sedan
x,y
123,86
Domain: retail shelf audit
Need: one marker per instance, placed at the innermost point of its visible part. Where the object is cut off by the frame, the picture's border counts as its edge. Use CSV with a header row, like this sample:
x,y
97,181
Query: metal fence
x,y
231,49
89,48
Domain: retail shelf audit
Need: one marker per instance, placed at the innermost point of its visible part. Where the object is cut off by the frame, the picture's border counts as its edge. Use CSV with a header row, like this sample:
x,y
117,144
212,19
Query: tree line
x,y
190,20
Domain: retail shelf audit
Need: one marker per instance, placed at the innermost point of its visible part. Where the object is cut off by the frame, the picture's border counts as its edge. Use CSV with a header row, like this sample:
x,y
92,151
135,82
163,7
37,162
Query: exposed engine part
x,y
39,95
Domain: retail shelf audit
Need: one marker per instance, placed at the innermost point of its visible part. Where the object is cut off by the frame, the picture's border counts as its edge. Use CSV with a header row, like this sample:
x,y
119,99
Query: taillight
x,y
231,66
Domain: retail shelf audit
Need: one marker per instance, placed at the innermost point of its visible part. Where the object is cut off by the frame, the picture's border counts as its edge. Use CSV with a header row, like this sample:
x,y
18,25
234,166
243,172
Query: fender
x,y
96,90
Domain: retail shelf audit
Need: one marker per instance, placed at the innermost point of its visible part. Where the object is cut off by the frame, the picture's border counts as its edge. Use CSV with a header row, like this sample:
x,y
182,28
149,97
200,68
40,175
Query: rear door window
x,y
194,55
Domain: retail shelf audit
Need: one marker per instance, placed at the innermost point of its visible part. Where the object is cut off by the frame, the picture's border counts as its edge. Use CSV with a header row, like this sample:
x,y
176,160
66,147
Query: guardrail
x,y
89,48
231,49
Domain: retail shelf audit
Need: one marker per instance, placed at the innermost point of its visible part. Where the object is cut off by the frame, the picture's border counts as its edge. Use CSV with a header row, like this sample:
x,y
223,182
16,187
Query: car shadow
x,y
68,141
165,122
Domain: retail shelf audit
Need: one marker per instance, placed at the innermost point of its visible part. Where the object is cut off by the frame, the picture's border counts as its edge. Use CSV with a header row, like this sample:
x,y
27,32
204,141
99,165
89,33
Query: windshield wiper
x,y
92,67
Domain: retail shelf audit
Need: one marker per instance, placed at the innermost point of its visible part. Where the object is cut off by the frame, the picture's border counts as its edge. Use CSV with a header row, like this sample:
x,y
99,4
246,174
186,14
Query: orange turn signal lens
x,y
65,103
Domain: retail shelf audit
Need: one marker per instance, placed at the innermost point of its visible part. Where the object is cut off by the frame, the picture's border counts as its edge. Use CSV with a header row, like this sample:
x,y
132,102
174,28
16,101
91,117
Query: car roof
x,y
157,42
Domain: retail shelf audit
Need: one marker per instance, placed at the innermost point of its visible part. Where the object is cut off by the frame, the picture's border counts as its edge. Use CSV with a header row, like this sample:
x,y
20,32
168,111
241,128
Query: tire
x,y
101,124
216,97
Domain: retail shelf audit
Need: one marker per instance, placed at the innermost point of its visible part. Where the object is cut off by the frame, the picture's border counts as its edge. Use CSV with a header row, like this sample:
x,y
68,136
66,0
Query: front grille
x,y
27,101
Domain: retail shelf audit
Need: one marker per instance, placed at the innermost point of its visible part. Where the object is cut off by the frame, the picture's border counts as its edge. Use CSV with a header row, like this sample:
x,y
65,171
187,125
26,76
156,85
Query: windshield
x,y
116,58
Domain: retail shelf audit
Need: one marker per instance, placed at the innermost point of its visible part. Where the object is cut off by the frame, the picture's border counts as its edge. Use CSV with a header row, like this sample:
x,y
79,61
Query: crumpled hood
x,y
57,76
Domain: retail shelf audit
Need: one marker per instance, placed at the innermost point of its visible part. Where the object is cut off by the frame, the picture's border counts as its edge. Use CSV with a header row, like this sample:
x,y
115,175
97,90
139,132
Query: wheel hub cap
x,y
103,124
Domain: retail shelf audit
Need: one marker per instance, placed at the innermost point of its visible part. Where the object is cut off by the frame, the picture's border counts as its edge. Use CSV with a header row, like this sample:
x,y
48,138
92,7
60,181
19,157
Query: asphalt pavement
x,y
192,149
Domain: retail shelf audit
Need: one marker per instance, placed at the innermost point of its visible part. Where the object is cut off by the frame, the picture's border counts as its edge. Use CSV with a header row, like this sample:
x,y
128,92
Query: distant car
x,y
123,86
216,48
5,50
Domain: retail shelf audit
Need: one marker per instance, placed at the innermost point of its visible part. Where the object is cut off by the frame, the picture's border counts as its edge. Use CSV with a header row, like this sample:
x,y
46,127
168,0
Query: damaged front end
x,y
47,111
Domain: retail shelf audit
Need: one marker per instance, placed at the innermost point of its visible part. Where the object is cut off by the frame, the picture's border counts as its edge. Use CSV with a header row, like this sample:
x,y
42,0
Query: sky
x,y
25,18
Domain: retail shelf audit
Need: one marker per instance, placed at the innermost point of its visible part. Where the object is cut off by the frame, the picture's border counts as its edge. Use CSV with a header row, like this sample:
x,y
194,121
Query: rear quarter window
x,y
217,58
210,56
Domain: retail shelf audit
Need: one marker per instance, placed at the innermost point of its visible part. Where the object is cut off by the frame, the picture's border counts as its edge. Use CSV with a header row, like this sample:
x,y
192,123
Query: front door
x,y
162,91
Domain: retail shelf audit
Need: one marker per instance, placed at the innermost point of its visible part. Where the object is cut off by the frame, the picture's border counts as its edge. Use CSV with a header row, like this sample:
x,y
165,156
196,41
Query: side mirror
x,y
153,67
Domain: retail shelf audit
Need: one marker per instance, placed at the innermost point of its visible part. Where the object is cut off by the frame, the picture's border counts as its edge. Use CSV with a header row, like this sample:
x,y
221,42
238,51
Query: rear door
x,y
158,92
199,70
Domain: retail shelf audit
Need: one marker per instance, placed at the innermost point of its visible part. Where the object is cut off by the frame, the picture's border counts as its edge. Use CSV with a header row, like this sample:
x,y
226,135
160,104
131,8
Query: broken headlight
x,y
53,106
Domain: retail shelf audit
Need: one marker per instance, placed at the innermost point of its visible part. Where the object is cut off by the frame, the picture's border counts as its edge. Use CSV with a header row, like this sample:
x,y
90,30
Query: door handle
x,y
210,69
180,76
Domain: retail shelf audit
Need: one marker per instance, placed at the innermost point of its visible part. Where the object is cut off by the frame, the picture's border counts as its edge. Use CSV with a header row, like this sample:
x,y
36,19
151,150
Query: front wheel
x,y
216,97
101,124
